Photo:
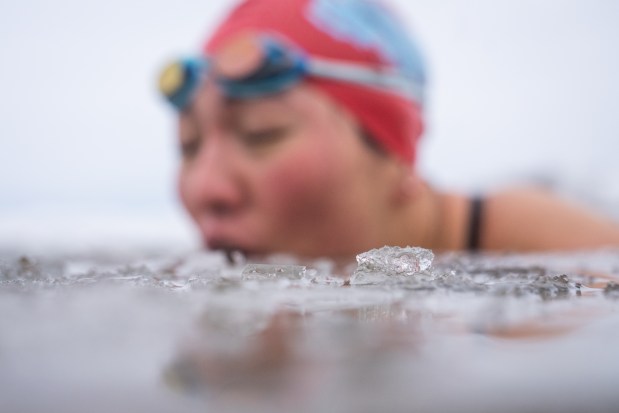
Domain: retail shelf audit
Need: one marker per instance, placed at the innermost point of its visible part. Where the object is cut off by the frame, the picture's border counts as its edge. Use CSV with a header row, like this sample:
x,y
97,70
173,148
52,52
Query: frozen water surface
x,y
401,331
264,272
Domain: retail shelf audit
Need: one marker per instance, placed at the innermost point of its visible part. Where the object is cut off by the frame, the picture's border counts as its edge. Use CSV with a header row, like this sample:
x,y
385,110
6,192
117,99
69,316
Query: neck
x,y
432,220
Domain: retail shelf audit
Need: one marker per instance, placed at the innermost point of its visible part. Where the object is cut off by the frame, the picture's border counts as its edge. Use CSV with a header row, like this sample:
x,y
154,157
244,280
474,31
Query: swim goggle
x,y
255,66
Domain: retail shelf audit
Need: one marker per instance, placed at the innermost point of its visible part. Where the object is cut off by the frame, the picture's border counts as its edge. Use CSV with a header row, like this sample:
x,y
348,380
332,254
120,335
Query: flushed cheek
x,y
298,190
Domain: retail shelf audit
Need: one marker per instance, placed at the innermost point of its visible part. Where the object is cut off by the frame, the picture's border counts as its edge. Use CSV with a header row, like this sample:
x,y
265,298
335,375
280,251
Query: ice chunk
x,y
266,272
388,263
396,260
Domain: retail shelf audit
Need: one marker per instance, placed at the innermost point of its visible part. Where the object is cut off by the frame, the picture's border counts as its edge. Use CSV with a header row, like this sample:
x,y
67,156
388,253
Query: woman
x,y
298,129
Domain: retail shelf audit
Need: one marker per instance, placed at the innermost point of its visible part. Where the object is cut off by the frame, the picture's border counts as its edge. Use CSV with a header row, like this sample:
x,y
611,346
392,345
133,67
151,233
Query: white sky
x,y
518,89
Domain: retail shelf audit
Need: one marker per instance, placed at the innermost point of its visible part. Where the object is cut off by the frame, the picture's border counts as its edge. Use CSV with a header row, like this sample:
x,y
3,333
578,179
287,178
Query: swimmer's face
x,y
287,173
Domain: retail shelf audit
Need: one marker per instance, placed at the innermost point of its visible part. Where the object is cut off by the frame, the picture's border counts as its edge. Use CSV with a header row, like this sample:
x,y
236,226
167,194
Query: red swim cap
x,y
359,31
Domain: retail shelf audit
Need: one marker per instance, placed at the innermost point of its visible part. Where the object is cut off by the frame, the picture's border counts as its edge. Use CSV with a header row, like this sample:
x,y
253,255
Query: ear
x,y
409,184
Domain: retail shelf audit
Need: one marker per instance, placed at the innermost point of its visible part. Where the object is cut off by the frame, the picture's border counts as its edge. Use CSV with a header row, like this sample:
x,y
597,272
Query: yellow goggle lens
x,y
171,79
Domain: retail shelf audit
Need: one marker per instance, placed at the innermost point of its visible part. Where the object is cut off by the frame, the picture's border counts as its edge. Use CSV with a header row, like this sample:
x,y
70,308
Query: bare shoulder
x,y
525,219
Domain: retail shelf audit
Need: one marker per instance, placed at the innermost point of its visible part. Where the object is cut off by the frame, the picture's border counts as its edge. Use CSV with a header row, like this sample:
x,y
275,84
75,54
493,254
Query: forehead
x,y
211,107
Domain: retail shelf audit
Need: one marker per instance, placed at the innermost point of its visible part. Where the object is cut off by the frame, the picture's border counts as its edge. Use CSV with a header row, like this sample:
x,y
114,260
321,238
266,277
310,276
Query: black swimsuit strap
x,y
477,206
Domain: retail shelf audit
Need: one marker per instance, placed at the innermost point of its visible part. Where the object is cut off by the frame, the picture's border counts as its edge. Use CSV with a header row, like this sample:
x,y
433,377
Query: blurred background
x,y
519,92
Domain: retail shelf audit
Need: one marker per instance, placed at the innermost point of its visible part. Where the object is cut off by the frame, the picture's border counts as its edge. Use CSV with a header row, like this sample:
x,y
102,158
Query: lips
x,y
228,236
226,245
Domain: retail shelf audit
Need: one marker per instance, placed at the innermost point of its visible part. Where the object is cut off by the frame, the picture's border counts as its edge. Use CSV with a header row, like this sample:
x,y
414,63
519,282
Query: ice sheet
x,y
191,332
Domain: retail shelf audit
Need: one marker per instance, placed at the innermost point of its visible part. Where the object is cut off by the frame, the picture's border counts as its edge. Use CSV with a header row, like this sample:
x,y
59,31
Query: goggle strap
x,y
353,73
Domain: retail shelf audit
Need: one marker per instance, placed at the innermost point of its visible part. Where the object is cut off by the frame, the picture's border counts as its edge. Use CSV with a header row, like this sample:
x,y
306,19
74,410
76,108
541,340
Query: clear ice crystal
x,y
266,272
388,263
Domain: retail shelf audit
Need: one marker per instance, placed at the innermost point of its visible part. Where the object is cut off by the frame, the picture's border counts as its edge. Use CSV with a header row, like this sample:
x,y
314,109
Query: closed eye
x,y
264,136
189,149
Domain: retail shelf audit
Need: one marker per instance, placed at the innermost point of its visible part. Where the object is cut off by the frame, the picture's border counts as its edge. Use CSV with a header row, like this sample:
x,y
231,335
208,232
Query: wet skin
x,y
287,173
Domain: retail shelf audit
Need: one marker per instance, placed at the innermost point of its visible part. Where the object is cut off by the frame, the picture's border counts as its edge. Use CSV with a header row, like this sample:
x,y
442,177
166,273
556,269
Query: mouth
x,y
218,236
234,253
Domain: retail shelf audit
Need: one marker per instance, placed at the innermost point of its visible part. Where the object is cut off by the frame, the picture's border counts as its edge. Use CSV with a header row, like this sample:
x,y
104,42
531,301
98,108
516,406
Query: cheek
x,y
299,188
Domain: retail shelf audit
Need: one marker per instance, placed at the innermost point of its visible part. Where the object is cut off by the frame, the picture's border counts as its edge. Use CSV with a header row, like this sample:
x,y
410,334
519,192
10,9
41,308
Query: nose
x,y
211,184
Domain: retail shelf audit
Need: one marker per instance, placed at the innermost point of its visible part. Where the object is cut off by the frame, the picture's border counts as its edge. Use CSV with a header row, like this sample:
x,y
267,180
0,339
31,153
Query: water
x,y
459,333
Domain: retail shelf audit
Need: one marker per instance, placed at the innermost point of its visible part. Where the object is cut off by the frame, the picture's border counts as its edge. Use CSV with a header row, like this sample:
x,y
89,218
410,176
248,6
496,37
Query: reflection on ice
x,y
612,290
